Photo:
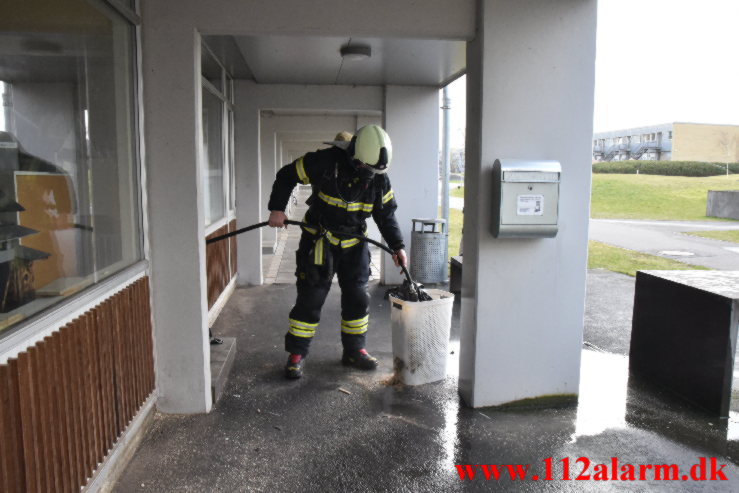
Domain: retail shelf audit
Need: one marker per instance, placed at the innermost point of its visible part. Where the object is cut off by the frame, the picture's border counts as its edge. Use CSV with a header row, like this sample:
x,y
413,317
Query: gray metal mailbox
x,y
525,198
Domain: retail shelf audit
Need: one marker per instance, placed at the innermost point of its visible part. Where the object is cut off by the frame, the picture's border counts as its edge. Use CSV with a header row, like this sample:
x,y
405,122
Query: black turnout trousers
x,y
318,258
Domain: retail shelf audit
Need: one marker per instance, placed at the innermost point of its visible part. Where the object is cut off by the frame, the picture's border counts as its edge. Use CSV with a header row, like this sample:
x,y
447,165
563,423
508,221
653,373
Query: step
x,y
221,360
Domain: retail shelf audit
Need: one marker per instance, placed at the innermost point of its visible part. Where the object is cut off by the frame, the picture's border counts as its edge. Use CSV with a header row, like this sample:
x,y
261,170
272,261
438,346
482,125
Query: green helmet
x,y
372,147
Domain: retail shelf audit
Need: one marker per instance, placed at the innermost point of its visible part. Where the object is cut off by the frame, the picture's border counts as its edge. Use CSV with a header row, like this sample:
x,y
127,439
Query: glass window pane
x,y
229,89
69,193
211,70
212,159
231,171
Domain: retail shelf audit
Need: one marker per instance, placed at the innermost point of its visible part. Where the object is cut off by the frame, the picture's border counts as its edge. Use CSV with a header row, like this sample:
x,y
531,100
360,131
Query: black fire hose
x,y
411,284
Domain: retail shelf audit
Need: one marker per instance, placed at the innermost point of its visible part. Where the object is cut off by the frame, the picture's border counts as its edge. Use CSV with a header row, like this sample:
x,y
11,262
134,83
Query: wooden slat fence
x,y
65,401
220,262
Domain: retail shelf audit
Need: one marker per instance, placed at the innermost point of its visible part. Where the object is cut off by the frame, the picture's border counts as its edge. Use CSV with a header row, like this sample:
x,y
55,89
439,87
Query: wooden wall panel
x,y
218,263
65,401
232,248
11,444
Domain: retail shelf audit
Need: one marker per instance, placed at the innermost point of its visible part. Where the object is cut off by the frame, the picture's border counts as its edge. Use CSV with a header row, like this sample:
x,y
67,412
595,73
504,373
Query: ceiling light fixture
x,y
356,52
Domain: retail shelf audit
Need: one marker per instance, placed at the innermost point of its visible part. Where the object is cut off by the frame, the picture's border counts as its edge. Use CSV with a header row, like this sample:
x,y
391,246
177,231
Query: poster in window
x,y
48,199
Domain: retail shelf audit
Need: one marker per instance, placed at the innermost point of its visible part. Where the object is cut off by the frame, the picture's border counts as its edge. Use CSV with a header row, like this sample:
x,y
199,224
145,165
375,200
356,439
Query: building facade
x,y
132,131
669,142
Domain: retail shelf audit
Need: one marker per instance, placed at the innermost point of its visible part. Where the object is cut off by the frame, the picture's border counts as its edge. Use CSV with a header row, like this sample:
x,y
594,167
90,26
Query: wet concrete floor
x,y
269,434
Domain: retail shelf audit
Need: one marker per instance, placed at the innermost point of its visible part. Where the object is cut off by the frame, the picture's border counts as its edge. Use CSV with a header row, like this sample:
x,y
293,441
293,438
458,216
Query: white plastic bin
x,y
421,337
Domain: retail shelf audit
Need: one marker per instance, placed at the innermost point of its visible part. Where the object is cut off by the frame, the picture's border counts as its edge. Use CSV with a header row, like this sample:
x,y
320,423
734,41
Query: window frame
x,y
225,95
41,324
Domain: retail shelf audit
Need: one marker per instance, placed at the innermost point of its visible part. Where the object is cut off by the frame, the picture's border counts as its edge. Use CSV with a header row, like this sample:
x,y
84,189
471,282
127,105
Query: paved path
x,y
668,239
456,203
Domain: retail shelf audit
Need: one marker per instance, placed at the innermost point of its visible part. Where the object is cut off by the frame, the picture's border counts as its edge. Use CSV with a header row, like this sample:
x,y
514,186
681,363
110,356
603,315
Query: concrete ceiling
x,y
316,60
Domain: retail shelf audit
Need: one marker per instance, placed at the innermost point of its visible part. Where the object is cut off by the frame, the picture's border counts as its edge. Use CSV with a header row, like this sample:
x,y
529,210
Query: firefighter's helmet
x,y
373,148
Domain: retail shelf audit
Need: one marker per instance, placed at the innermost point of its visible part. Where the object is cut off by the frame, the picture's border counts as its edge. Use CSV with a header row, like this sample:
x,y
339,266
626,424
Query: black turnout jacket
x,y
342,200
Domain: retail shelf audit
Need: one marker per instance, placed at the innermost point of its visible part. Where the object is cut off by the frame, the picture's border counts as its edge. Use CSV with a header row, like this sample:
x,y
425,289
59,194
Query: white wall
x,y
176,216
268,158
412,122
438,19
530,95
249,209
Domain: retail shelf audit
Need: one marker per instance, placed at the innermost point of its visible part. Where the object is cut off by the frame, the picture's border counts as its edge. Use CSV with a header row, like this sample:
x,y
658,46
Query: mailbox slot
x,y
525,198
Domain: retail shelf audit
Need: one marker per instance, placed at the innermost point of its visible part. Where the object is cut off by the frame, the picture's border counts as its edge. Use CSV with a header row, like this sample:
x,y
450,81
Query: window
x,y
69,181
213,157
217,148
669,135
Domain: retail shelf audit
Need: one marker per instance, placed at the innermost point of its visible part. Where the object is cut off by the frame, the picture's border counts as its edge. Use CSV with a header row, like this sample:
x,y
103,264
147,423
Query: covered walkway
x,y
345,430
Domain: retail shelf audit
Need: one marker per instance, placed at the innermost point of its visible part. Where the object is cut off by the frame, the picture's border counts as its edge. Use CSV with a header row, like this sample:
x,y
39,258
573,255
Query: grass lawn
x,y
455,231
602,256
456,192
654,197
718,235
636,197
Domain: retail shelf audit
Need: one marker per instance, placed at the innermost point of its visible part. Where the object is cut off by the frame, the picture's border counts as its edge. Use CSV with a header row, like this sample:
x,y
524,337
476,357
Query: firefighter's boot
x,y
294,366
359,359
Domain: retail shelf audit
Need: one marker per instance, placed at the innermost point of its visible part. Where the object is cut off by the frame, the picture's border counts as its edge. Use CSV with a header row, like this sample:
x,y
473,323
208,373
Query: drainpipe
x,y
7,108
445,154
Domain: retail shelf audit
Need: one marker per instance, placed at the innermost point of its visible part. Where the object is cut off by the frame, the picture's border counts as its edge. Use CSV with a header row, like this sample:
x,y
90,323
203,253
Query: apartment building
x,y
677,141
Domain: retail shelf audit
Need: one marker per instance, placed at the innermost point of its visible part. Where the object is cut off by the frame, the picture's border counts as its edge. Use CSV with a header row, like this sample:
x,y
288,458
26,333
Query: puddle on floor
x,y
603,389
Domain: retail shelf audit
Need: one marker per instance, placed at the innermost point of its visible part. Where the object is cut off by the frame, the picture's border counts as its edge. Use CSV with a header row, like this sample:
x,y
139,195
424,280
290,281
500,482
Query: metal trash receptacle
x,y
421,331
429,251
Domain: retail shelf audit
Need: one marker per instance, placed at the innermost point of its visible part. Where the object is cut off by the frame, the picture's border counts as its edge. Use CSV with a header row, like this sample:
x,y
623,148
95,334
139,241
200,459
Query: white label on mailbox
x,y
530,205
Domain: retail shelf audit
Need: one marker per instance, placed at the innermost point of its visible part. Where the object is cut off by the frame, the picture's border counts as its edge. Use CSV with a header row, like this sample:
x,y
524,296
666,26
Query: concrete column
x,y
172,98
412,122
269,169
530,85
249,208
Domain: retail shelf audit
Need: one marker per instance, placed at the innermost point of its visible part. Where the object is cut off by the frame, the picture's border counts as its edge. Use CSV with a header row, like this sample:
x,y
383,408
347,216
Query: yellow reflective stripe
x,y
349,243
312,231
332,200
353,207
332,239
388,197
301,333
304,325
301,329
355,323
359,206
344,243
301,172
318,252
354,330
358,326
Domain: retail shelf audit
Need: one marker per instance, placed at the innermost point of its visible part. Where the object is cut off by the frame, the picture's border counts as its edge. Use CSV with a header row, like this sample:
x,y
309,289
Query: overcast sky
x,y
662,61
658,61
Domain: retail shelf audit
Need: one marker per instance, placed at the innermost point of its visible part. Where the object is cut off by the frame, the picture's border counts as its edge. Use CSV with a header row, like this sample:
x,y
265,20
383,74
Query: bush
x,y
665,168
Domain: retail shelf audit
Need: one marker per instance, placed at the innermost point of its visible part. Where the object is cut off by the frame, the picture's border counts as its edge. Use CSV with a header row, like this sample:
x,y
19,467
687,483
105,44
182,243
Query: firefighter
x,y
350,184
